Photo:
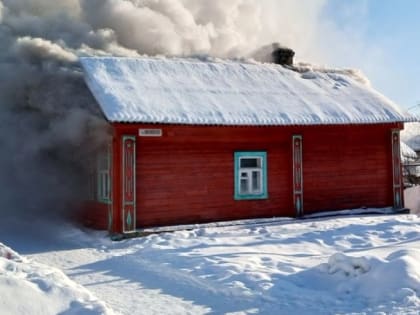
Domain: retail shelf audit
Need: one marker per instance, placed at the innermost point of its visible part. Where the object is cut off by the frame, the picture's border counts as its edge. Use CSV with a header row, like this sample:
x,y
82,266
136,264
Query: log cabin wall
x,y
187,174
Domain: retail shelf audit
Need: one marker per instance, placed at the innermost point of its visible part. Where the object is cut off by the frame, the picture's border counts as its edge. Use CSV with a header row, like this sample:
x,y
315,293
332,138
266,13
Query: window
x,y
250,175
104,181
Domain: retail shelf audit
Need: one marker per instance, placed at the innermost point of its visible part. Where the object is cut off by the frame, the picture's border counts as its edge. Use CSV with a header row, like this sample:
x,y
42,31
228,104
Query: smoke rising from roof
x,y
48,123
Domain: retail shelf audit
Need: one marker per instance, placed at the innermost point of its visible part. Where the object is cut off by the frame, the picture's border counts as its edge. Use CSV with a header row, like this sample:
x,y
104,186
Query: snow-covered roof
x,y
183,91
407,153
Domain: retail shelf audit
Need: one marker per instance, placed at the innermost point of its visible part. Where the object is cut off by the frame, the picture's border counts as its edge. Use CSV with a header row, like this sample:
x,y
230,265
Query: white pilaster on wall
x,y
396,170
111,184
297,175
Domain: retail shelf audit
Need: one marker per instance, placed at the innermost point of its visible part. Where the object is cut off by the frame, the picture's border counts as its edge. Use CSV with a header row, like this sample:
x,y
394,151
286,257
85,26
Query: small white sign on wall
x,y
150,132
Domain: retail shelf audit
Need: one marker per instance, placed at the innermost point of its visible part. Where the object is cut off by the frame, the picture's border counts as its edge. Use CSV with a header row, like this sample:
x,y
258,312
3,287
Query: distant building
x,y
410,154
208,141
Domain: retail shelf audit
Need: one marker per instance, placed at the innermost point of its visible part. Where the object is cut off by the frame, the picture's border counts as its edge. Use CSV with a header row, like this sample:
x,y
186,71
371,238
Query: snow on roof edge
x,y
256,125
265,124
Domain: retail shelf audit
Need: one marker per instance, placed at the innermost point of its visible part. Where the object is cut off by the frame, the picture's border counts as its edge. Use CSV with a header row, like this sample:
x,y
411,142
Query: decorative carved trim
x,y
129,184
297,175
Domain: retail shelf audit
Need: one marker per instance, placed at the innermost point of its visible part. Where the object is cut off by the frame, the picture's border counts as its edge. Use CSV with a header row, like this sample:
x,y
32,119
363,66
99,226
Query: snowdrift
x,y
377,280
28,287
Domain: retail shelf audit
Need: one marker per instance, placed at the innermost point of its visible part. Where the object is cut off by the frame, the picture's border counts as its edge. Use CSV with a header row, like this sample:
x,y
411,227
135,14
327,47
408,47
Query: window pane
x,y
250,163
256,181
106,186
244,175
244,186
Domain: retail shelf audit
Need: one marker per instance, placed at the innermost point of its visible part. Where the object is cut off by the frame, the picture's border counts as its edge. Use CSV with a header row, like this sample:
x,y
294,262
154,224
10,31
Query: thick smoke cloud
x,y
48,119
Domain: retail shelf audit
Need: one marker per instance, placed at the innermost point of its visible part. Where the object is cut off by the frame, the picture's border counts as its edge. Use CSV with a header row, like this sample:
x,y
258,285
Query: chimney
x,y
282,55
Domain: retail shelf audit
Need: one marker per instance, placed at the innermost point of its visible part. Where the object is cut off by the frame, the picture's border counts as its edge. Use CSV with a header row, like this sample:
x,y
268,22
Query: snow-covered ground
x,y
335,265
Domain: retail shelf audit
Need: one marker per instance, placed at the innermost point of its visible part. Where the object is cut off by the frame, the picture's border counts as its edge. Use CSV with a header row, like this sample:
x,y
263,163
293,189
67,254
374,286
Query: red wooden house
x,y
208,141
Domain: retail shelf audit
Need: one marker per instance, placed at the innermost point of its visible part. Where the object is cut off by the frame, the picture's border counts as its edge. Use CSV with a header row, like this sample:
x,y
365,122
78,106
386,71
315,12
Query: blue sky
x,y
386,34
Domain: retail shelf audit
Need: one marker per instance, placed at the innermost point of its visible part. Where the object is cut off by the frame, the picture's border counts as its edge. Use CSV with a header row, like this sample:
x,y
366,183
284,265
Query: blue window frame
x,y
250,175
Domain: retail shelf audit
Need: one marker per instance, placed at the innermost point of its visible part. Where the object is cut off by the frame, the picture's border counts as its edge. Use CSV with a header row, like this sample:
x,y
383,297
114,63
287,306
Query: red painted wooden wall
x,y
347,168
187,175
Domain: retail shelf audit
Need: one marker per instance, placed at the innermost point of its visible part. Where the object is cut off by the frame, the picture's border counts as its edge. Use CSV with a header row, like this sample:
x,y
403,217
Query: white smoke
x,y
48,118
36,49
1,11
